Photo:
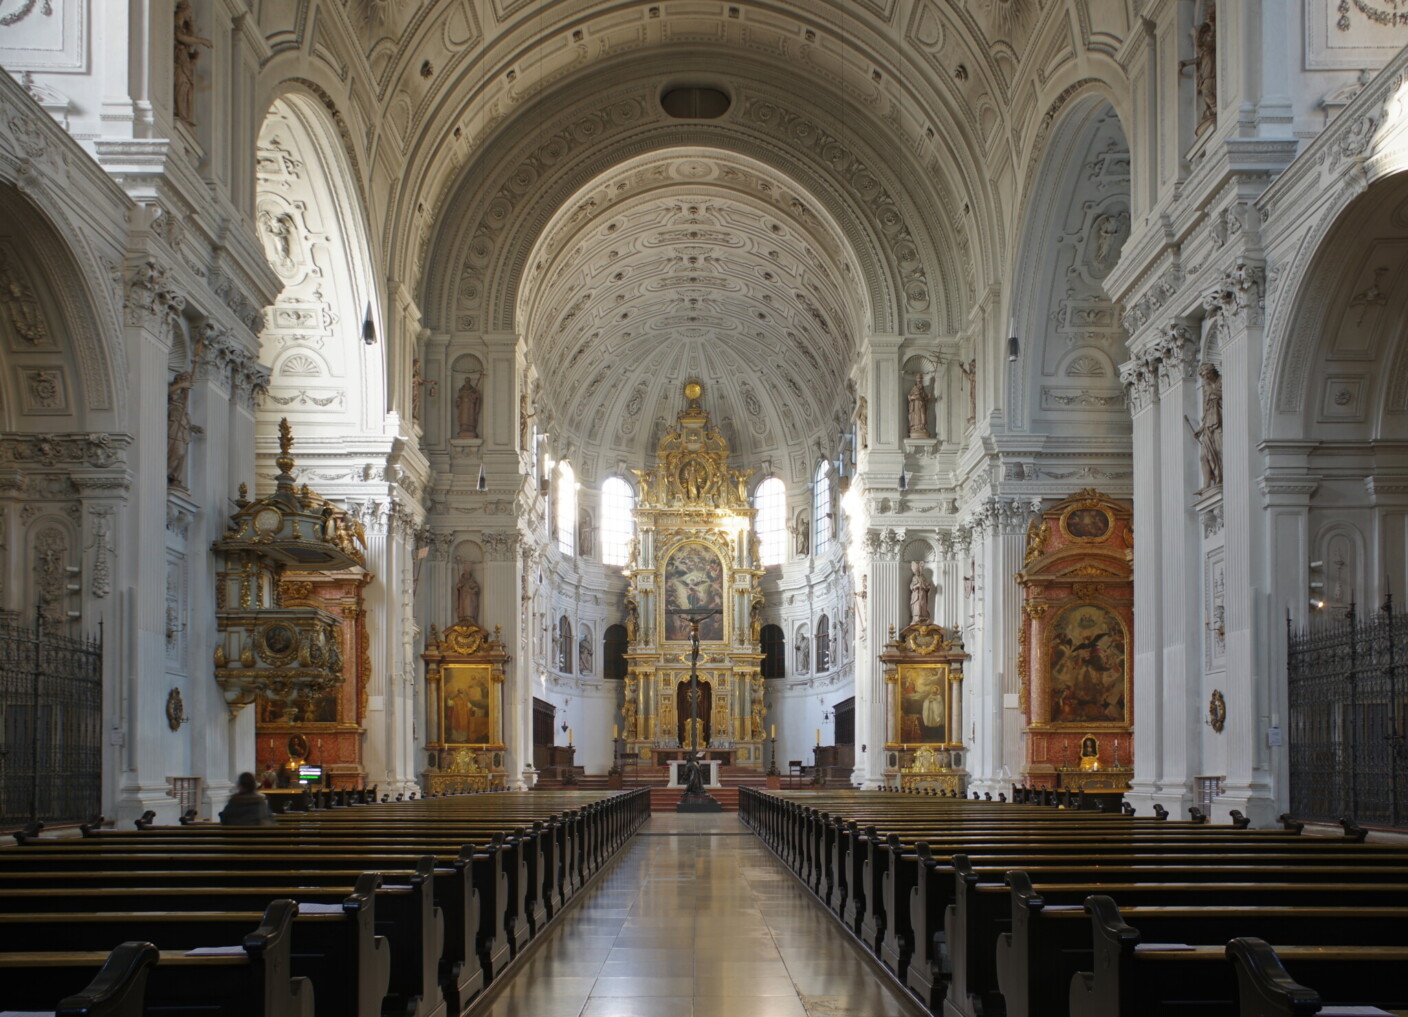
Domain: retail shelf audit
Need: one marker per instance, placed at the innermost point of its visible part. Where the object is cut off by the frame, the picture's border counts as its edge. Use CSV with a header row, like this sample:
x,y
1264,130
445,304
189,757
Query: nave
x,y
698,919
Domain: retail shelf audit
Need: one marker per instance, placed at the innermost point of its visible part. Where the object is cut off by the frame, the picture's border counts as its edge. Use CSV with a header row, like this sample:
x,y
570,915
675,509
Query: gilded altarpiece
x,y
695,555
924,681
464,676
1076,652
332,723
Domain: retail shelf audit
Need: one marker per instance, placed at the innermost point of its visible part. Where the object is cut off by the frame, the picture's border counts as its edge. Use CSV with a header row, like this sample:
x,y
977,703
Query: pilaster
x,y
883,609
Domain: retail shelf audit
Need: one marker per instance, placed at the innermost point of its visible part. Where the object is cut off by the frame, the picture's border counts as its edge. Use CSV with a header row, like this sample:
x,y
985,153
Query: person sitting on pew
x,y
246,807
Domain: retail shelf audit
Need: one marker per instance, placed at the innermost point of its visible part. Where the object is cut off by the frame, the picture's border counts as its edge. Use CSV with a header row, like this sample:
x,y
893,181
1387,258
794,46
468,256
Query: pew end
x,y
118,988
1264,988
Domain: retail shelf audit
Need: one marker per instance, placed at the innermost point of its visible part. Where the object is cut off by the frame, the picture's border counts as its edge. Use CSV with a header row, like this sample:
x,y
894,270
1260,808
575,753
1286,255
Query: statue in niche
x,y
523,417
1209,435
419,389
755,621
632,620
919,590
179,429
970,375
628,710
585,533
468,402
1204,64
467,595
802,535
802,653
186,54
863,422
584,653
918,410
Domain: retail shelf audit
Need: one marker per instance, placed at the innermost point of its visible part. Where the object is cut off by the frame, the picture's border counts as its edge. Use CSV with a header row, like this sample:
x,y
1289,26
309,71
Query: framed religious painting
x,y
924,707
1087,663
469,705
694,581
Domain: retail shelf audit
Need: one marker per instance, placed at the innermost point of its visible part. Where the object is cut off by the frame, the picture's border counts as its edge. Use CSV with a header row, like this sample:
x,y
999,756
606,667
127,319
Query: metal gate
x,y
1348,726
51,702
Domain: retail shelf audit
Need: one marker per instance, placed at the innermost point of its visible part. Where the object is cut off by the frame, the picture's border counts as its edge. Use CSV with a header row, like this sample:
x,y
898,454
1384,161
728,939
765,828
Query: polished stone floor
x,y
698,919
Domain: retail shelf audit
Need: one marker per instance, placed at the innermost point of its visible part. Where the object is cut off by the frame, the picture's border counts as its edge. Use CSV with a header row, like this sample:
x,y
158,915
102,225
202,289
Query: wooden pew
x,y
864,853
117,990
1133,979
573,848
340,953
255,982
1049,943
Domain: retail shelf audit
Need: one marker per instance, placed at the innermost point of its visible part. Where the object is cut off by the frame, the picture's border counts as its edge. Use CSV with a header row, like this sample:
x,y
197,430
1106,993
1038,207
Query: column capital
x,y
884,544
1238,298
1174,352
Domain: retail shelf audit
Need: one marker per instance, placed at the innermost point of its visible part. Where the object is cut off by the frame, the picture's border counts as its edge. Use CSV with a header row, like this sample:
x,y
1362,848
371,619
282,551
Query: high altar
x,y
695,552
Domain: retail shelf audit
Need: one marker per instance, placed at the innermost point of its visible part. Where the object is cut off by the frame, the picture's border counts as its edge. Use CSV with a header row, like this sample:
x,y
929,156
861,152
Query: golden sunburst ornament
x,y
693,390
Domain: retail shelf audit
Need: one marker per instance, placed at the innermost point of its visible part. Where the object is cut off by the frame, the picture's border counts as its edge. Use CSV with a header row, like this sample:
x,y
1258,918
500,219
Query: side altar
x,y
464,677
695,556
924,679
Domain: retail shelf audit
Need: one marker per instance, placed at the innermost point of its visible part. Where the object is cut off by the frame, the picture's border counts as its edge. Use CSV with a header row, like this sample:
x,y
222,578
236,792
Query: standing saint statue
x,y
179,428
970,375
802,654
467,404
1209,435
802,535
1204,64
417,388
185,55
467,595
918,410
919,590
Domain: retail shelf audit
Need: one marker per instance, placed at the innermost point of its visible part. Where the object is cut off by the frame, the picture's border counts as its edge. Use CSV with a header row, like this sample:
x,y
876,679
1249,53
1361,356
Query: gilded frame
x,y
914,706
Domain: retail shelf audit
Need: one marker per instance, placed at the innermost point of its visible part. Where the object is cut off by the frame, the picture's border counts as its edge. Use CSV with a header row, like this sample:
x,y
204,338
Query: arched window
x,y
618,523
823,644
774,651
613,655
822,518
566,509
770,499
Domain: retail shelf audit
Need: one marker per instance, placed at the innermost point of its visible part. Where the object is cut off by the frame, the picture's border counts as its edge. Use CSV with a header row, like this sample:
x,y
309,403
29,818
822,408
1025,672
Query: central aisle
x,y
698,919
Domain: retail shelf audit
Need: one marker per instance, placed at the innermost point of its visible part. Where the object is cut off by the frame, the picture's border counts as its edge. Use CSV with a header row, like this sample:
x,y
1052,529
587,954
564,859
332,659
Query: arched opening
x,y
774,644
617,524
613,653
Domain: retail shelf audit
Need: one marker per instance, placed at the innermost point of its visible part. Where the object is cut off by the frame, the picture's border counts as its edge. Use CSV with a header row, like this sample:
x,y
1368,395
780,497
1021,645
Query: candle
x,y
615,731
569,736
818,736
774,730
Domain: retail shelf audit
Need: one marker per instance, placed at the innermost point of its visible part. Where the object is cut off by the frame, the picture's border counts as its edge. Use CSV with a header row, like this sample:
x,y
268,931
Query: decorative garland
x,y
7,20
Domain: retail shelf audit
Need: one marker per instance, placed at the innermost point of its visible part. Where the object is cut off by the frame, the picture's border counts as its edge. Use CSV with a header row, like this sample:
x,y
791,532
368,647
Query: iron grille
x,y
1348,722
51,701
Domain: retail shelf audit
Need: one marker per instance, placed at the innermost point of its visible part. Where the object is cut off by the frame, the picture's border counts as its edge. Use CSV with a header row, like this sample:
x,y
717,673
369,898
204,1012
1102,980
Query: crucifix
x,y
695,797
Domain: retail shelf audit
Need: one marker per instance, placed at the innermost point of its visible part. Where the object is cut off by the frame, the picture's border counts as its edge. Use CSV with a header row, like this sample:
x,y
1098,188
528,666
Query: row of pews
x,y
986,908
398,908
